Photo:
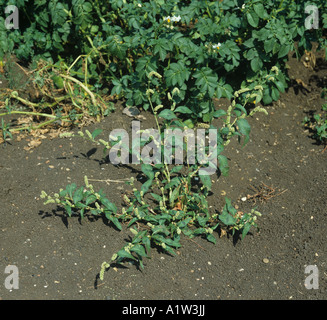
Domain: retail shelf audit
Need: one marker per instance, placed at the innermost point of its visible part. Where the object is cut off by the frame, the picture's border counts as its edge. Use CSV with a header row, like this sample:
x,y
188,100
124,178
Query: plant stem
x,y
29,113
42,124
166,171
83,86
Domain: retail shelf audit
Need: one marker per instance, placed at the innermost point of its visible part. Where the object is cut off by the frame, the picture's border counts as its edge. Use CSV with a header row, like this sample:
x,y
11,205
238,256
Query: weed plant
x,y
169,204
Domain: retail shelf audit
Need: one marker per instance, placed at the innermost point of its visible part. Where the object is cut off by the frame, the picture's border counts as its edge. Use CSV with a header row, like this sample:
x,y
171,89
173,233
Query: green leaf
x,y
146,186
160,229
81,205
275,93
114,220
78,195
58,81
251,54
161,48
90,199
146,241
202,221
156,196
259,10
184,109
68,209
139,249
244,129
280,86
95,212
70,189
124,254
253,19
177,73
227,215
174,195
267,99
173,243
219,113
87,6
138,196
206,80
223,165
227,219
269,45
139,236
174,182
245,230
109,205
207,117
198,231
239,109
211,238
284,50
205,179
256,64
176,169
147,169
132,221
167,114
276,47
96,132
63,193
170,250
182,224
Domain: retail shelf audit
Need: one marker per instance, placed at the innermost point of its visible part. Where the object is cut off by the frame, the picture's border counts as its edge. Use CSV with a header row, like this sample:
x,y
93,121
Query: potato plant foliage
x,y
198,46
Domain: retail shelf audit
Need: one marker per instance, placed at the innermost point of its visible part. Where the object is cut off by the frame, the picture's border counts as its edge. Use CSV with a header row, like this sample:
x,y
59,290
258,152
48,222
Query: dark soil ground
x,y
60,258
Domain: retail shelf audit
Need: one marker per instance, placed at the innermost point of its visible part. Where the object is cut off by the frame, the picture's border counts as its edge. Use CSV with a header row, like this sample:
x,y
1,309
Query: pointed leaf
x,y
124,254
223,165
227,219
245,230
114,220
184,109
253,19
156,196
167,114
147,169
78,195
139,249
96,132
70,189
244,129
284,50
68,209
146,186
109,205
146,241
259,10
205,179
211,238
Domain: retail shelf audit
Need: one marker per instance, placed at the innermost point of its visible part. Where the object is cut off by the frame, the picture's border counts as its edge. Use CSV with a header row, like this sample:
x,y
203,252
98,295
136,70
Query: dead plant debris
x,y
263,193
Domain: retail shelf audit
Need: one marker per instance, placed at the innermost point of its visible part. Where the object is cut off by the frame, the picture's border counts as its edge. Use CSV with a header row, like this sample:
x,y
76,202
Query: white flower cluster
x,y
243,7
172,19
216,46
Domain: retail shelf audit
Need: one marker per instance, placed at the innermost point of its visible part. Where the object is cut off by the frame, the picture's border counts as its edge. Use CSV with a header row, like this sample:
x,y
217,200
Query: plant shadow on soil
x,y
60,257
